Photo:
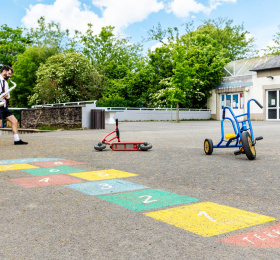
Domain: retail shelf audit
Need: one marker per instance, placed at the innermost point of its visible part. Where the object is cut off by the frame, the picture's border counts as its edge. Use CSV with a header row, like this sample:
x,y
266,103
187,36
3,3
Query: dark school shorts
x,y
4,113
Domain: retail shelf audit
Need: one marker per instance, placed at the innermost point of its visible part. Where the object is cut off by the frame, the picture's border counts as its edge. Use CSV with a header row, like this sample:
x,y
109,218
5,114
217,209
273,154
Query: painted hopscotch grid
x,y
50,180
205,219
209,219
28,160
103,175
147,199
106,187
56,163
53,170
21,166
268,237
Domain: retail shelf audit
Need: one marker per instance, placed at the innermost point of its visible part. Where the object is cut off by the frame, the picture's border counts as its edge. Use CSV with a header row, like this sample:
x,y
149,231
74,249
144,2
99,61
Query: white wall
x,y
145,115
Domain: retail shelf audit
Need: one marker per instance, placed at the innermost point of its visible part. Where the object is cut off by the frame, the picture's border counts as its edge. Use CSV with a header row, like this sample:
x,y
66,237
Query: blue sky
x,y
133,18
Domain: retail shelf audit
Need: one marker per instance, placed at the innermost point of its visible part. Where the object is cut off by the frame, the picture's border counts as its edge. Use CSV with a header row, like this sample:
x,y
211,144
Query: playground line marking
x,y
209,219
103,175
268,237
21,166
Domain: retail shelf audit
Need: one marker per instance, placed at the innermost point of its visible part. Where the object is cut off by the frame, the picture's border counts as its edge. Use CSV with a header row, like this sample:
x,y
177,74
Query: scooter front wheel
x,y
100,146
208,146
248,146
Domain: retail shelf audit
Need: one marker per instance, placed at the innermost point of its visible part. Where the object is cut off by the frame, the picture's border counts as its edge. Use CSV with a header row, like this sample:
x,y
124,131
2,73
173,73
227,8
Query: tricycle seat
x,y
230,136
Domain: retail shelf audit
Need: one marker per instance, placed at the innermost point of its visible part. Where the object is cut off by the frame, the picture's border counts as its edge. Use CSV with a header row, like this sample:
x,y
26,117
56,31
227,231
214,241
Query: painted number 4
x,y
148,199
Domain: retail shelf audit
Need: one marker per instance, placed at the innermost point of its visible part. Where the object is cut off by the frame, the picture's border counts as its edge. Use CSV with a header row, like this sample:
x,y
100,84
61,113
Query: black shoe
x,y
20,142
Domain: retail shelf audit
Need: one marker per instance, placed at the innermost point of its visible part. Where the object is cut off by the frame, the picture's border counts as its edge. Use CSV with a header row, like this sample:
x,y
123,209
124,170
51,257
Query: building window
x,y
273,104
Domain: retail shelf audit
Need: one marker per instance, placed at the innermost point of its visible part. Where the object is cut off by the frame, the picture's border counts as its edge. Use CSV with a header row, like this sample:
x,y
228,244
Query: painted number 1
x,y
148,199
206,215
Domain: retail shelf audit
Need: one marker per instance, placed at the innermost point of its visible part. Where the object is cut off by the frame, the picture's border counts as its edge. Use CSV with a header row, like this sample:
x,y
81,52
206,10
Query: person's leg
x,y
14,123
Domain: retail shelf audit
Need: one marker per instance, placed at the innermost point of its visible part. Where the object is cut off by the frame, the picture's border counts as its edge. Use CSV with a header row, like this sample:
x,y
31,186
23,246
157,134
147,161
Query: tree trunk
x,y
171,114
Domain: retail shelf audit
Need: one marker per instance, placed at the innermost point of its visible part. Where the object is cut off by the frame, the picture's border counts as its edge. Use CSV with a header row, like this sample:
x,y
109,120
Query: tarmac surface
x,y
179,203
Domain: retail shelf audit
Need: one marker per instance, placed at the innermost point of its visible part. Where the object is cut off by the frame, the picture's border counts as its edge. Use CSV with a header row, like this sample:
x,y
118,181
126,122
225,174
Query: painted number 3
x,y
105,186
148,199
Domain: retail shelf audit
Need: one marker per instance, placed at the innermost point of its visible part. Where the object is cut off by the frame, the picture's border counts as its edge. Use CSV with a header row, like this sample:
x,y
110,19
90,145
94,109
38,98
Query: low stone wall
x,y
52,116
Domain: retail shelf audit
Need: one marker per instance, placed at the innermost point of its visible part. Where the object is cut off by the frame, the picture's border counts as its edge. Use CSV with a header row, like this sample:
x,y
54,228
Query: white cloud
x,y
183,8
72,15
121,13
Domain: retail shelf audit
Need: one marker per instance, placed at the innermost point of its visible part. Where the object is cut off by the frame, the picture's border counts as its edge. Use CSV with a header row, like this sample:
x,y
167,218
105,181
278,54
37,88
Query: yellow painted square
x,y
103,175
209,219
20,166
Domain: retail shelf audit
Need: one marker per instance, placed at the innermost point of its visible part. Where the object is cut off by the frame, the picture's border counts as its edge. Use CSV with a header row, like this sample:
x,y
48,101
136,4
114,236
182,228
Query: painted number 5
x,y
148,199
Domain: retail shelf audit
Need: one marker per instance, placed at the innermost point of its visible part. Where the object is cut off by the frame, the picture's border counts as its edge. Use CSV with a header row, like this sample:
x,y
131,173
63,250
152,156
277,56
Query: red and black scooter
x,y
121,146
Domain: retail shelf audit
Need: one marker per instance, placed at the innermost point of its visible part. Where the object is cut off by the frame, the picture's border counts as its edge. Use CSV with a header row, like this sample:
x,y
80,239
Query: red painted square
x,y
56,163
268,237
40,181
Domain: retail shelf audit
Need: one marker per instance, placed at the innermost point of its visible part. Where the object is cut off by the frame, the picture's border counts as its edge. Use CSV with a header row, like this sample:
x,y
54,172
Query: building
x,y
257,78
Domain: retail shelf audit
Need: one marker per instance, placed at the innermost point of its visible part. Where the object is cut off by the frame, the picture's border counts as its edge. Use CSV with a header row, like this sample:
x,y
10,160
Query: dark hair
x,y
7,68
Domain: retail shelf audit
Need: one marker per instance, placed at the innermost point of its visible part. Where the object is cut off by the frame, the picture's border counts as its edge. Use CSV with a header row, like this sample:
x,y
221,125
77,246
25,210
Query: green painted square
x,y
147,199
53,170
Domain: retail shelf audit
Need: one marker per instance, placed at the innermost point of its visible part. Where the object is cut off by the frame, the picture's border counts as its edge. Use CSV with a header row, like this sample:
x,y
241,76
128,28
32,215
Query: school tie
x,y
3,89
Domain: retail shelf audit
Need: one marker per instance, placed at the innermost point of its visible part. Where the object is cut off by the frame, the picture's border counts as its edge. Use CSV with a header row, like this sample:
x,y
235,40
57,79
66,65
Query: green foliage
x,y
228,38
12,43
274,49
113,100
194,61
51,66
66,78
25,69
50,35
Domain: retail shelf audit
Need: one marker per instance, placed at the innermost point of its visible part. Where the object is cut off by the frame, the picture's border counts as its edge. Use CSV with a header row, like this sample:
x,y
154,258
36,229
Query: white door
x,y
235,102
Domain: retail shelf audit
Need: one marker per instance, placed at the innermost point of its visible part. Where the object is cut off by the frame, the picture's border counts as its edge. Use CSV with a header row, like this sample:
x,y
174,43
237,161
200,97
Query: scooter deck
x,y
126,146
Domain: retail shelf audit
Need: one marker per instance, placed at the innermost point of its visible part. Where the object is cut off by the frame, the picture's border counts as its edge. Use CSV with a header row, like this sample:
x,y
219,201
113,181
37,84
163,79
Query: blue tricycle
x,y
243,137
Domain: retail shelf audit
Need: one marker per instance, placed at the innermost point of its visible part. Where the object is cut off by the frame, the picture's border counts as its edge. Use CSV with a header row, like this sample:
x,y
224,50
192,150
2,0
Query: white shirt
x,y
6,86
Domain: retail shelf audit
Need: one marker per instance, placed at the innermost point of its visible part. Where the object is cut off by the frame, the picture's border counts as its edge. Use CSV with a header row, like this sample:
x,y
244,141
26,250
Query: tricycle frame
x,y
237,139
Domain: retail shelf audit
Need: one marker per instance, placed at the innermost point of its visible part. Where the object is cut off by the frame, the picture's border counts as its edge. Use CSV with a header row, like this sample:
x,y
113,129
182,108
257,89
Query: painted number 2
x,y
148,199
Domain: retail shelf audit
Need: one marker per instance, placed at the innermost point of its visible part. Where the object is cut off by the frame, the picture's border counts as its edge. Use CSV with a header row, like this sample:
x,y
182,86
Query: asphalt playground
x,y
61,199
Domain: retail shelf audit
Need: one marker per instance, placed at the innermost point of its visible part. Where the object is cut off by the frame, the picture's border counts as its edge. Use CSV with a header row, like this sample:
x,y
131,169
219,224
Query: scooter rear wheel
x,y
145,146
208,146
248,146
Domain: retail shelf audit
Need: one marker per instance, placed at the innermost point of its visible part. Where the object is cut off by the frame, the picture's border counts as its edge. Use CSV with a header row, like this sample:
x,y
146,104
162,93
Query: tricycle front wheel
x,y
248,146
208,146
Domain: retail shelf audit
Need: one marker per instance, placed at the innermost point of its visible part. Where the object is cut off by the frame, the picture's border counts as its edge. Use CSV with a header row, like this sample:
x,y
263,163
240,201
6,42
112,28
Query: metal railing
x,y
153,109
66,104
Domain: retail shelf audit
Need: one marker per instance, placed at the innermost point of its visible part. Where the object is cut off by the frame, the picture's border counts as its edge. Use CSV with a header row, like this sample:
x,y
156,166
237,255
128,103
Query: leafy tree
x,y
66,78
25,69
12,43
50,35
274,49
232,39
168,96
194,61
105,48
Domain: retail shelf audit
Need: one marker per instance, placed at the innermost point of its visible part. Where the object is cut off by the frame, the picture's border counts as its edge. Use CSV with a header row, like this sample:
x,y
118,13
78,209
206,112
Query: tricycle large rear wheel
x,y
208,146
248,146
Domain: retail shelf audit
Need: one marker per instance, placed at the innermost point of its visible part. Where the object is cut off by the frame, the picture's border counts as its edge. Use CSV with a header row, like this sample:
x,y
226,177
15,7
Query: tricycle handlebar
x,y
258,103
